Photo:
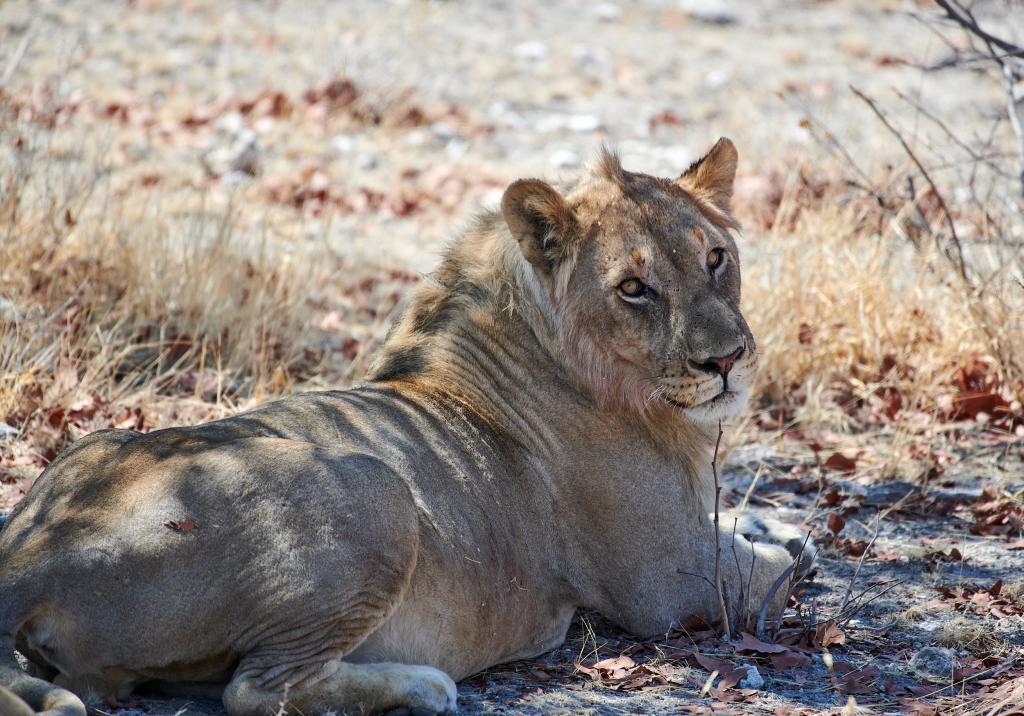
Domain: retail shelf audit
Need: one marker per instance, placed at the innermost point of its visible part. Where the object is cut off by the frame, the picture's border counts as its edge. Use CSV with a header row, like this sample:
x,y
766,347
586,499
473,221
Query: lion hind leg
x,y
347,688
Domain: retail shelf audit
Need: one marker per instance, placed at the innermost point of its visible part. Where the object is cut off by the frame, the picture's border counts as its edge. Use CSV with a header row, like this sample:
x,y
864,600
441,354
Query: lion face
x,y
645,279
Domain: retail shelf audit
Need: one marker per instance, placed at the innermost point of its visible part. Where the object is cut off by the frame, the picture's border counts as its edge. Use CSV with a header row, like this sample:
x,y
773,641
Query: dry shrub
x,y
858,322
106,297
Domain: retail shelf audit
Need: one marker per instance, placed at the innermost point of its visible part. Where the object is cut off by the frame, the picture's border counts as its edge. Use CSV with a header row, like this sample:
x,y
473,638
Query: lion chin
x,y
727,404
360,550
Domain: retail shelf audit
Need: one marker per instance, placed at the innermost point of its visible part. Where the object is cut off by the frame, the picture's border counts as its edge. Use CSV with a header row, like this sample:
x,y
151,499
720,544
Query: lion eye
x,y
632,288
715,258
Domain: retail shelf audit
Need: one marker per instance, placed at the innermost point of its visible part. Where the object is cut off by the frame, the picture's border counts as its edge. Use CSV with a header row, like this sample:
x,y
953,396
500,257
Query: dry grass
x,y
180,308
858,325
169,300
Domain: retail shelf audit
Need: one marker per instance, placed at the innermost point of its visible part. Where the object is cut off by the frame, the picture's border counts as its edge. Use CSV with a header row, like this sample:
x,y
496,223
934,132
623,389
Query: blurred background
x,y
206,204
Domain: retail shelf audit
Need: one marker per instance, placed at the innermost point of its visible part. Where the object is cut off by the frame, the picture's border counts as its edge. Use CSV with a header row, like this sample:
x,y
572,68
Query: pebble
x,y
533,51
607,11
233,149
933,663
711,12
343,144
753,679
365,161
583,123
565,159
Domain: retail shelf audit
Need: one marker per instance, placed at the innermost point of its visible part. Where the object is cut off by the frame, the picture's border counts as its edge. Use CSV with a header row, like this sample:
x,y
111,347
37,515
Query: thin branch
x,y
1011,110
856,572
963,17
16,58
958,262
719,587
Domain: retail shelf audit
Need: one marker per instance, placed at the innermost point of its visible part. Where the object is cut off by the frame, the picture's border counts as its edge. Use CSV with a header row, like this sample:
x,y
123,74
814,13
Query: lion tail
x,y
21,694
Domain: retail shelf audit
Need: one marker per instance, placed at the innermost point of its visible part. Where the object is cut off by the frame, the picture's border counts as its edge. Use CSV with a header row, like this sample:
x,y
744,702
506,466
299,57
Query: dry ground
x,y
204,205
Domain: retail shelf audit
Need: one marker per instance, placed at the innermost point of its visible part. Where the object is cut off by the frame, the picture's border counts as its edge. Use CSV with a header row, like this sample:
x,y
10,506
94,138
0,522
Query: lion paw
x,y
771,531
427,690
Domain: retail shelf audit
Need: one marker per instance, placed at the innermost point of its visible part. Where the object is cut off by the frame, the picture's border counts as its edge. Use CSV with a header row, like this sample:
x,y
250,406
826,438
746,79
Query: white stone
x,y
608,11
583,123
565,159
533,51
753,679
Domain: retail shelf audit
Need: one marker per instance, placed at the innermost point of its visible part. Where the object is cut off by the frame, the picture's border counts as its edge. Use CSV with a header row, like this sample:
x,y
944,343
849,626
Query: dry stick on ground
x,y
719,587
958,262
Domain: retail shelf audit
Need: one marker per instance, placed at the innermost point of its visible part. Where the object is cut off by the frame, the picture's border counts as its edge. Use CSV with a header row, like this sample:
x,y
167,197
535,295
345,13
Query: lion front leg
x,y
752,575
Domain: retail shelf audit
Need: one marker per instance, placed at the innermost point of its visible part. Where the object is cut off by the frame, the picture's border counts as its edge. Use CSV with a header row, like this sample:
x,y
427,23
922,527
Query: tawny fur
x,y
531,440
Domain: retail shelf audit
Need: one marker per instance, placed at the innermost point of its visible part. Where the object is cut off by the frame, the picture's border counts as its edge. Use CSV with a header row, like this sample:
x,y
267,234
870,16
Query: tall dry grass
x,y
142,309
862,317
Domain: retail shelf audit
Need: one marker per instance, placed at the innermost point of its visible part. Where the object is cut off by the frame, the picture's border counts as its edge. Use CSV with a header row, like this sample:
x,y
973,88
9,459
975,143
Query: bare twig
x,y
16,58
719,587
999,51
1015,123
963,17
958,261
762,614
856,572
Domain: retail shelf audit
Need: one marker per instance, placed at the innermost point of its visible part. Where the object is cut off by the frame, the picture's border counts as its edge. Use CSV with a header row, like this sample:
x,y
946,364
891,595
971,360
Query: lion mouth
x,y
724,395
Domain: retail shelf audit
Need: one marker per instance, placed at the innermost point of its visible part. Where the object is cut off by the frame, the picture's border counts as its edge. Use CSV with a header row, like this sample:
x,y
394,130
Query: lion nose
x,y
720,364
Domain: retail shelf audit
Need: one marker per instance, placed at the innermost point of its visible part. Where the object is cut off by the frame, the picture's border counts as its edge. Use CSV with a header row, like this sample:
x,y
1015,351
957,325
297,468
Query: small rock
x,y
583,123
934,663
716,79
607,11
343,144
7,431
234,148
565,159
533,51
711,12
365,161
753,679
887,494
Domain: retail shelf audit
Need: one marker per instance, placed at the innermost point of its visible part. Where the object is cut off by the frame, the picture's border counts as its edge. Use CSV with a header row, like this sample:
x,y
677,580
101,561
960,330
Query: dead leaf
x,y
790,660
836,523
856,681
729,675
828,634
840,463
180,525
751,643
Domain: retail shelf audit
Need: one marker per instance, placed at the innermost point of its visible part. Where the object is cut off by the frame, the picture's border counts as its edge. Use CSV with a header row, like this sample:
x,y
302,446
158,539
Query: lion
x,y
535,437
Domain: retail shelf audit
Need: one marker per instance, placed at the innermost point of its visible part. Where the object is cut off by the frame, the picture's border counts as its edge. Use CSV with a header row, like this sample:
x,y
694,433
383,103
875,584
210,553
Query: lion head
x,y
644,280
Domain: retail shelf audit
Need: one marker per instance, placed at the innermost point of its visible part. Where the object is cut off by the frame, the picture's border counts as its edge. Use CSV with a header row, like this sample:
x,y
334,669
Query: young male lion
x,y
536,436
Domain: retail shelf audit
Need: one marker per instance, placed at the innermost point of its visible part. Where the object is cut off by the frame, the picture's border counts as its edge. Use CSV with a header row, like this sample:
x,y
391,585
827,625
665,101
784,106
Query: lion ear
x,y
711,177
539,220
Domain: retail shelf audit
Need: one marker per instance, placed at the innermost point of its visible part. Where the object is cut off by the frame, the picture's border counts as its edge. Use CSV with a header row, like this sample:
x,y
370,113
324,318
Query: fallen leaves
x,y
621,673
828,634
839,462
751,643
997,514
835,523
984,601
180,525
